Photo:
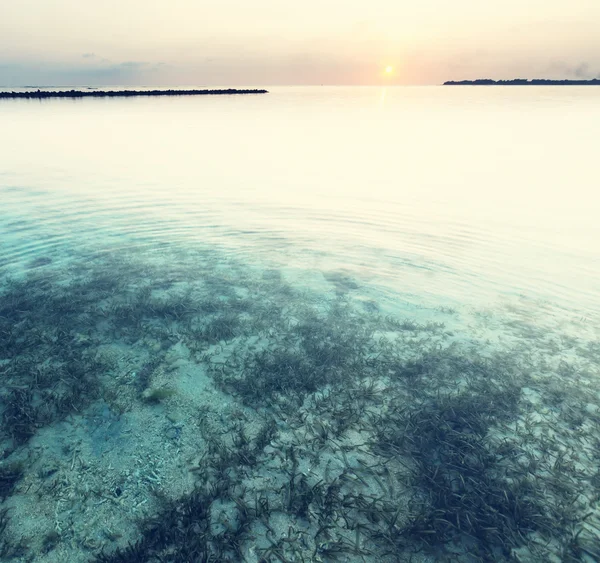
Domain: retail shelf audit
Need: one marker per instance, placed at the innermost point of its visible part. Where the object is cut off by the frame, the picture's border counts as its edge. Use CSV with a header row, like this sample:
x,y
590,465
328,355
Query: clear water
x,y
465,195
474,208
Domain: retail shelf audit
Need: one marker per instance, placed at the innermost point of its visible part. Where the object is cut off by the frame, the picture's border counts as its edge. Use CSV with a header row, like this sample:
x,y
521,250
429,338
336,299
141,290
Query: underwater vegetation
x,y
50,367
348,435
10,473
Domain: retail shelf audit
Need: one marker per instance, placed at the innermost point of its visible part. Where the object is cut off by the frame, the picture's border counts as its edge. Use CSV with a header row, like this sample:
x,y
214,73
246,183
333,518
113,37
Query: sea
x,y
317,324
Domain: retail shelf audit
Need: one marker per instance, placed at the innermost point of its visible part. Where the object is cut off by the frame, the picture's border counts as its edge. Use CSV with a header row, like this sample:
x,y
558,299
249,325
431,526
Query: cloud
x,y
89,55
101,72
583,70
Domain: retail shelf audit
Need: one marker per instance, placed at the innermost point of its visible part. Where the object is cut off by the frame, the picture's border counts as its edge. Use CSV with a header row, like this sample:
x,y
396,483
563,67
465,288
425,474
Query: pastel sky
x,y
274,42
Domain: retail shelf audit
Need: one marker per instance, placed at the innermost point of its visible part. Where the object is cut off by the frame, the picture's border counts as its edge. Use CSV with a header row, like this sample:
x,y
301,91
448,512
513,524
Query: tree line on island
x,y
40,94
523,82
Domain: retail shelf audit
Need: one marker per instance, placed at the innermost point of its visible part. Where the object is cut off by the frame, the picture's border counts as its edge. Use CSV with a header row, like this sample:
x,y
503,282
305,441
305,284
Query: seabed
x,y
195,408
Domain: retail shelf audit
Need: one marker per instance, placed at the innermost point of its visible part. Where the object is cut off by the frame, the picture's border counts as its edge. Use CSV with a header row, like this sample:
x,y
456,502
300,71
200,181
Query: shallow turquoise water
x,y
469,196
320,323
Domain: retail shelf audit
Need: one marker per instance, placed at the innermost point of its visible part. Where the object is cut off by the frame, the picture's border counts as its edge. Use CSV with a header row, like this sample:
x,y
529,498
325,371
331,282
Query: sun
x,y
389,69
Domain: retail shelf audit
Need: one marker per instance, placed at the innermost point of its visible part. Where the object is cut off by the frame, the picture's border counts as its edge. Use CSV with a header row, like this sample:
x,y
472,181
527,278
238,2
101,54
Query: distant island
x,y
523,82
42,94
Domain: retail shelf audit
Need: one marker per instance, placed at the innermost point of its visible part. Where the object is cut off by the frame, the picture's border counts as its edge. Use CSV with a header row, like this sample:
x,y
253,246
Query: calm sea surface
x,y
442,195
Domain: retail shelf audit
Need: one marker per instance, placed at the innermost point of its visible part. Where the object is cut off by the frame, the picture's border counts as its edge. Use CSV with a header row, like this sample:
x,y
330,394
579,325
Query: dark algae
x,y
320,430
41,94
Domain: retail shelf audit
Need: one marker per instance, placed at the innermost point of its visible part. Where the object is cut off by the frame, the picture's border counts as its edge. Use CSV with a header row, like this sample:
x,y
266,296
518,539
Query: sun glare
x,y
389,69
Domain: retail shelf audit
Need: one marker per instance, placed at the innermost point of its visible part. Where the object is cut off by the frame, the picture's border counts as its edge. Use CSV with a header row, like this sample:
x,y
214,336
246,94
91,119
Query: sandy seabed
x,y
184,406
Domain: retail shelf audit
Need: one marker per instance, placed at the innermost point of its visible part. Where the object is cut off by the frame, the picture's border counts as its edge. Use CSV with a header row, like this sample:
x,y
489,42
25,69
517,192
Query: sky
x,y
273,42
